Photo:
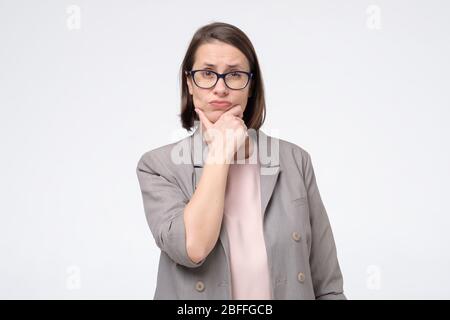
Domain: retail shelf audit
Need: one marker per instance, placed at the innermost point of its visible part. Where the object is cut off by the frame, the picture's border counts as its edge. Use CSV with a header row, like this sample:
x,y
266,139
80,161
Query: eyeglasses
x,y
206,79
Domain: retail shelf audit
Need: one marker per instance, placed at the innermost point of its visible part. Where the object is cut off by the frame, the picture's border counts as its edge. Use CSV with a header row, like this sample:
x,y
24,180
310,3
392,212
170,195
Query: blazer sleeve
x,y
325,271
164,204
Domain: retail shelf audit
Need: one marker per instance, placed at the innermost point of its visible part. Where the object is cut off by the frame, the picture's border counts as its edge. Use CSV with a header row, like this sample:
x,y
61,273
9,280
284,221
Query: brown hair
x,y
254,114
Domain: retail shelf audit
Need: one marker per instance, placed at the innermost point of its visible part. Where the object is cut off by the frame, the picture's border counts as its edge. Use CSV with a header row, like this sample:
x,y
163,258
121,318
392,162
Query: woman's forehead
x,y
220,55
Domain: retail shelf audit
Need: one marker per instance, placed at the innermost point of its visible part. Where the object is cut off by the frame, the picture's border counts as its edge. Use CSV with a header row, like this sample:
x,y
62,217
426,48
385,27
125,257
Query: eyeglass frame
x,y
219,76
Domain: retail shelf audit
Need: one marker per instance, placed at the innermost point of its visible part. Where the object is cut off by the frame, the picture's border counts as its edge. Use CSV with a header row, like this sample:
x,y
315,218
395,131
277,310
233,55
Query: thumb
x,y
208,124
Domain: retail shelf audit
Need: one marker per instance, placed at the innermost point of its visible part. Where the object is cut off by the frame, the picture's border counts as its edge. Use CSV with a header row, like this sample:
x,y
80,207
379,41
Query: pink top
x,y
243,222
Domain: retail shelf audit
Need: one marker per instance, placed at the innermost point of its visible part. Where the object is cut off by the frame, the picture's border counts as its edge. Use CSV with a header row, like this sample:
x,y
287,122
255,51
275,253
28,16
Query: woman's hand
x,y
226,135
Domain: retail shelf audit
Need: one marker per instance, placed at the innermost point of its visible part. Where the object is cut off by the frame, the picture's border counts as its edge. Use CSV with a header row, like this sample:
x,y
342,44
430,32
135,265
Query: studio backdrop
x,y
86,87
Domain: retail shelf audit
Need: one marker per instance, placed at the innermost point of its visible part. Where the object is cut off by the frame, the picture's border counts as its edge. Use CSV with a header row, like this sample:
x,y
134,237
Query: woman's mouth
x,y
220,104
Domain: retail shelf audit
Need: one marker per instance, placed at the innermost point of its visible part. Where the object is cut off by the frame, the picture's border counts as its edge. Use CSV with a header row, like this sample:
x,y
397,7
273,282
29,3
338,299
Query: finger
x,y
242,121
208,124
244,129
236,111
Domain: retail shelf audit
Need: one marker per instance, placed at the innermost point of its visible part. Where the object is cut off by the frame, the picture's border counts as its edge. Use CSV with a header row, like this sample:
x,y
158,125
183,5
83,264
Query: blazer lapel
x,y
268,152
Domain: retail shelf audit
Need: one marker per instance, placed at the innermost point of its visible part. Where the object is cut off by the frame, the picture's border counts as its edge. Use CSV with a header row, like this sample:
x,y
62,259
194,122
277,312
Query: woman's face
x,y
220,56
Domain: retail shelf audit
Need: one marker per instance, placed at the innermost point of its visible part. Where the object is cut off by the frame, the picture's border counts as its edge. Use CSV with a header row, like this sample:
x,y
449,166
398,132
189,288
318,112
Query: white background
x,y
365,90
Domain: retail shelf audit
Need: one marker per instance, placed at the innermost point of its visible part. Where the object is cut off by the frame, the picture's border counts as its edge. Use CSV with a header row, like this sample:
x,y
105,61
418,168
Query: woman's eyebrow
x,y
228,65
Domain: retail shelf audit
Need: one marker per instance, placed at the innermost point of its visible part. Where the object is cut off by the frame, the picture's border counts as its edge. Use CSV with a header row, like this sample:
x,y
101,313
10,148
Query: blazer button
x,y
199,286
301,277
296,236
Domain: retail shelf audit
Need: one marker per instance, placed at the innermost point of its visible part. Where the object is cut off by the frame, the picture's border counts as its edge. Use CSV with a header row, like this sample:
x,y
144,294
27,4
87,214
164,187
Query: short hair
x,y
255,111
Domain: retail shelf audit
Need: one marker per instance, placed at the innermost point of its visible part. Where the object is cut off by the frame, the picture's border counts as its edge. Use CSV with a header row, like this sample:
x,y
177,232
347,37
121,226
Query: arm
x,y
325,271
203,214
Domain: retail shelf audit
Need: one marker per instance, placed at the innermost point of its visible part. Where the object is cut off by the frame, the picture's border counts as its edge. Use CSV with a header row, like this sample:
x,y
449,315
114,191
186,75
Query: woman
x,y
236,213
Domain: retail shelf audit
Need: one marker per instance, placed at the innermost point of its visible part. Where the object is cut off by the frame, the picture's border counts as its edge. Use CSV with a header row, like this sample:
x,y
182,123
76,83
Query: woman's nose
x,y
220,85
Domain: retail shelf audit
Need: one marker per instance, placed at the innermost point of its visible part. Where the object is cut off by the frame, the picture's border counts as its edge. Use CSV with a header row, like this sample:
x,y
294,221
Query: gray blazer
x,y
300,246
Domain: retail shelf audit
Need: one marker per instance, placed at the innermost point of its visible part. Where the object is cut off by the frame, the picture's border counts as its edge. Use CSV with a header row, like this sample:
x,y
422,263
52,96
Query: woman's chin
x,y
214,115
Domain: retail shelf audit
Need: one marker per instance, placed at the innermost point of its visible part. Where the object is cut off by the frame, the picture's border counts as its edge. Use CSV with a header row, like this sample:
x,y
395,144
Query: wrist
x,y
217,155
